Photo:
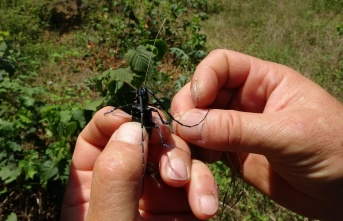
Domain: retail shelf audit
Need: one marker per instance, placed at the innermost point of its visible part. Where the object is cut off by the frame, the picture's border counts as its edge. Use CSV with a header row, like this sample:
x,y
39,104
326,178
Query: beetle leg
x,y
161,138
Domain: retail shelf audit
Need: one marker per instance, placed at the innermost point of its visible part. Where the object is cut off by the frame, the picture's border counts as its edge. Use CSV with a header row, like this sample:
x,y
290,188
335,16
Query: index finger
x,y
228,80
221,68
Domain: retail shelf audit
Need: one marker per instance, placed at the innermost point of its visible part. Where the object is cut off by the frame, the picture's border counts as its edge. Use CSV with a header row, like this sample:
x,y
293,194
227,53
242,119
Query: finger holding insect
x,y
198,199
174,162
117,177
158,197
89,146
161,131
95,137
200,190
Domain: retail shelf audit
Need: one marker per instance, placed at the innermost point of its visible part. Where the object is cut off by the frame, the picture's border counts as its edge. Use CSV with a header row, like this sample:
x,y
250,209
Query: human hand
x,y
286,129
106,175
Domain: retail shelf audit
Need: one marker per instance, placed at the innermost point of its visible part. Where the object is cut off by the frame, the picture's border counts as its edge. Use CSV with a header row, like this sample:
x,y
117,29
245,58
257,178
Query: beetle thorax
x,y
143,95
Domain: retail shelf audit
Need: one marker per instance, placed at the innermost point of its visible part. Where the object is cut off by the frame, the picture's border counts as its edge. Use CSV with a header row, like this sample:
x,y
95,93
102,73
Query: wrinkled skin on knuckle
x,y
223,129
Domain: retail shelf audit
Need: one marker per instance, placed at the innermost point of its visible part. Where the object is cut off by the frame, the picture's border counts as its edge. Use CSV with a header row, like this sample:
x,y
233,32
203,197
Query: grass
x,y
301,34
305,35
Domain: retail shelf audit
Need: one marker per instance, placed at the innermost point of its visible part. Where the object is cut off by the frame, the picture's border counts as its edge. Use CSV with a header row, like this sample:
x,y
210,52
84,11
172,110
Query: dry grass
x,y
299,34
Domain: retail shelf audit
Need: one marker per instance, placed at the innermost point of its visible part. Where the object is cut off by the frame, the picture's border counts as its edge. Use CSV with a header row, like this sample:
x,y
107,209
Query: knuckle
x,y
223,129
217,52
234,129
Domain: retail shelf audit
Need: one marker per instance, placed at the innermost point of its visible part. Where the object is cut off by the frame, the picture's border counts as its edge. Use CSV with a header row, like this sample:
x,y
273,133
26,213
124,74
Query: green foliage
x,y
44,129
35,149
21,19
157,47
114,85
339,29
10,217
39,121
139,58
123,23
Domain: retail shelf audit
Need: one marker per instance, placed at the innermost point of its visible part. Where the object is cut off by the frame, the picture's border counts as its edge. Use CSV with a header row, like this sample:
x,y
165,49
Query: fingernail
x,y
192,118
176,116
208,204
195,91
121,114
130,132
176,169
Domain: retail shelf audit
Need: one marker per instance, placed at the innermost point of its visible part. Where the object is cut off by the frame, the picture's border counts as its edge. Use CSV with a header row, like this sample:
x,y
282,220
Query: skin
x,y
106,175
285,130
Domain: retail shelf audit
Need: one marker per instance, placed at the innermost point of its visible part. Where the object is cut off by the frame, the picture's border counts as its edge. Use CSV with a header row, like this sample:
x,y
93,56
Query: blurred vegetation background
x,y
60,61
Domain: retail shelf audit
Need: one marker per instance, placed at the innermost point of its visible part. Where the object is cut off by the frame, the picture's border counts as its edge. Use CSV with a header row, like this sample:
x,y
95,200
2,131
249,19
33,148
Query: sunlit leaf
x,y
48,170
179,54
24,119
14,146
65,116
28,101
70,128
159,44
121,74
94,106
10,217
78,114
9,172
138,59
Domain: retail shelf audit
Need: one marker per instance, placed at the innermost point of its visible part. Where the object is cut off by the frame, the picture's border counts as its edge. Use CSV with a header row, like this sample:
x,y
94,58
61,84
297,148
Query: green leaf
x,y
48,132
48,170
94,106
14,146
10,217
159,44
3,191
78,114
70,128
30,173
29,164
28,101
179,54
118,77
24,119
3,47
9,172
138,59
121,74
65,116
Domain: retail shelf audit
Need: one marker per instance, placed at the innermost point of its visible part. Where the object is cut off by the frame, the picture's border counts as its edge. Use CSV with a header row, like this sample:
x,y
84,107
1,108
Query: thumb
x,y
117,176
229,130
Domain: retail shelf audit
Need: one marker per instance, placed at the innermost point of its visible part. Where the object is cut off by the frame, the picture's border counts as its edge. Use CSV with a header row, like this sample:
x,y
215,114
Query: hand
x,y
286,130
106,175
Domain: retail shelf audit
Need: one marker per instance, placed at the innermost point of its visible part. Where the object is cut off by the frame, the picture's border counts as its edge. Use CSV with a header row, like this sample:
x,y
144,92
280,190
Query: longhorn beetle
x,y
141,110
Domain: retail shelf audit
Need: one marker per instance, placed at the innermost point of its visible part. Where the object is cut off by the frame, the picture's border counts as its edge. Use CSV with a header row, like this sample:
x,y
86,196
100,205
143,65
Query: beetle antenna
x,y
131,85
149,62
